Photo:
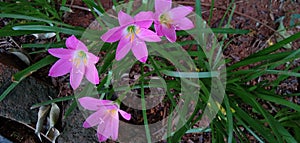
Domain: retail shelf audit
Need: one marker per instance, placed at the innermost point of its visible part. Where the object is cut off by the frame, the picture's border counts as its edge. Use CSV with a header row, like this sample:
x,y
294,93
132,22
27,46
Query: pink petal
x,y
156,17
91,74
61,67
75,44
158,29
125,115
92,58
76,76
162,5
61,53
169,33
110,126
123,48
89,103
124,18
140,51
112,35
94,119
183,24
101,138
115,128
144,19
180,12
148,35
102,117
111,123
93,104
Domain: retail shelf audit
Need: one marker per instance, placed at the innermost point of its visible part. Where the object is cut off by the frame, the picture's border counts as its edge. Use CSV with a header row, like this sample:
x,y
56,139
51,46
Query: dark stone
x,y
18,132
16,105
74,132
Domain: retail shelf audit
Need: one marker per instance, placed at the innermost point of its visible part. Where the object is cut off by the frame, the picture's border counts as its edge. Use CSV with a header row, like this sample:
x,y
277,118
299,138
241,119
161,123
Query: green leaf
x,y
276,46
98,7
49,29
53,101
47,46
198,10
280,101
251,60
251,123
279,131
8,90
70,109
239,121
20,16
198,130
229,120
190,74
28,71
143,102
10,32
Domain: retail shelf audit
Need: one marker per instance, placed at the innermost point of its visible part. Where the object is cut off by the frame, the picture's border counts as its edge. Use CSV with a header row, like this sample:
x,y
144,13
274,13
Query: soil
x,y
257,16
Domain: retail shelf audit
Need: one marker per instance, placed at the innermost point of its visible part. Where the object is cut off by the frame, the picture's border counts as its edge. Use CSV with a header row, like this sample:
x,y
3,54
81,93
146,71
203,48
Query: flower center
x,y
80,58
132,31
112,112
165,19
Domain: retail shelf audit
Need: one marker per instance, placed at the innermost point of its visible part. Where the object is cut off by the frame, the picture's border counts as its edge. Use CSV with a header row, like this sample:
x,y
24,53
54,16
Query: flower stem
x,y
106,85
148,135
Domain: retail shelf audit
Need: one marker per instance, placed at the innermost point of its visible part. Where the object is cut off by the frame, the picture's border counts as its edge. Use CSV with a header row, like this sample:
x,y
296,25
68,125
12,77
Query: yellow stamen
x,y
112,112
166,20
132,38
131,32
79,58
137,31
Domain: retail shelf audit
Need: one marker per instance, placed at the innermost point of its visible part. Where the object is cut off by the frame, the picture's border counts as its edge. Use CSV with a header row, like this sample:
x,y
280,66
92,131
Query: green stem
x,y
148,135
211,12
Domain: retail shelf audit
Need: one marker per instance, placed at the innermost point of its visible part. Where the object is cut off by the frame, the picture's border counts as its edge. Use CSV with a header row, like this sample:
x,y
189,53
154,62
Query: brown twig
x,y
78,7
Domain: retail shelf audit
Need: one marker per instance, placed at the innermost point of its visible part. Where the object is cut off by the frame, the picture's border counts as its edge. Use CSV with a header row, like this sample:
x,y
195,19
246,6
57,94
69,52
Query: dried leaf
x,y
54,114
44,35
53,134
42,114
66,9
20,55
282,33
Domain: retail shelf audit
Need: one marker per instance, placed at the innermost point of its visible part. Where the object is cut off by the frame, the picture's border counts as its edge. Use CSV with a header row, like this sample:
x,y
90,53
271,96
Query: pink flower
x,y
167,20
106,117
75,60
132,33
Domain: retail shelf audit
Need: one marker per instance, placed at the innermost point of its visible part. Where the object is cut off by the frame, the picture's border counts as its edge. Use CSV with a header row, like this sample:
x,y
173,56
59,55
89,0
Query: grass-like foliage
x,y
241,113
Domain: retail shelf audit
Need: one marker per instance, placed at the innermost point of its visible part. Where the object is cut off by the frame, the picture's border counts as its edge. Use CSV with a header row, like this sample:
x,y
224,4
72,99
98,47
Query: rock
x,y
16,105
74,132
18,132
